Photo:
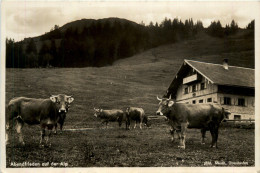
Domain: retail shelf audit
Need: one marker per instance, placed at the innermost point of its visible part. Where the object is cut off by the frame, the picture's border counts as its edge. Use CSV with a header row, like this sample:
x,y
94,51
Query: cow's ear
x,y
53,99
70,99
170,103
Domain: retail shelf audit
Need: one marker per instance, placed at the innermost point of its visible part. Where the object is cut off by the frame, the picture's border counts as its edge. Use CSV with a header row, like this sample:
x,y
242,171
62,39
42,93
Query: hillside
x,y
89,42
239,49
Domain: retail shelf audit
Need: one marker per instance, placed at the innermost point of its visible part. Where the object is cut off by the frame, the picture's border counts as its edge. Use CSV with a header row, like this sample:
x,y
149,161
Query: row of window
x,y
224,101
238,102
209,100
194,88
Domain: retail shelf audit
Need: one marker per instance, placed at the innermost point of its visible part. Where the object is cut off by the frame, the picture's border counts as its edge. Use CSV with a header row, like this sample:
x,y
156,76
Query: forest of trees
x,y
104,41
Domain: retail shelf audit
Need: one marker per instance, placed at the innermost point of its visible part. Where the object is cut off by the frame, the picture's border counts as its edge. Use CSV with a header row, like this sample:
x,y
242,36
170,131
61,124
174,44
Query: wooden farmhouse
x,y
231,86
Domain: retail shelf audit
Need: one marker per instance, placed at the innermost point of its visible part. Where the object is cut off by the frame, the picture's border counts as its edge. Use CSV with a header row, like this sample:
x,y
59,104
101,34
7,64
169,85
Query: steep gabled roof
x,y
234,76
216,74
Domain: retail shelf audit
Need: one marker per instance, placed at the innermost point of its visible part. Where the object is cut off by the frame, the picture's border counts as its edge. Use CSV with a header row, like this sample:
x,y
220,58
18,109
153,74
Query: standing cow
x,y
46,112
137,115
182,116
61,120
112,115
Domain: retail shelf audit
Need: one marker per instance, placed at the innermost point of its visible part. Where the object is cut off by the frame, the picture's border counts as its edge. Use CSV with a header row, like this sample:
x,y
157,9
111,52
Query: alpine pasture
x,y
134,81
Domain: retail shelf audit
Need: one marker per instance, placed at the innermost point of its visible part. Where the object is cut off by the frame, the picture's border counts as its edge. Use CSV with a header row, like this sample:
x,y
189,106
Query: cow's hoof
x,y
41,146
202,143
48,145
214,146
182,147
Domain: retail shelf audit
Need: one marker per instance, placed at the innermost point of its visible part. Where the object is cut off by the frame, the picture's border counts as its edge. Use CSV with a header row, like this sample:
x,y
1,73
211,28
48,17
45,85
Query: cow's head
x,y
226,114
164,105
145,121
127,110
97,112
62,102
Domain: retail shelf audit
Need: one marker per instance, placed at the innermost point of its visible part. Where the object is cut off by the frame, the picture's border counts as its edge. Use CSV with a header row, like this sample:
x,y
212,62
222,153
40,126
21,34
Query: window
x,y
202,86
209,100
186,90
193,101
193,88
201,101
237,117
227,101
241,102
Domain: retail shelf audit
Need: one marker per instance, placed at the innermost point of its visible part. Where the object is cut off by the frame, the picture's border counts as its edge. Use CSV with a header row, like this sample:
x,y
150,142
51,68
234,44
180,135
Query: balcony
x,y
190,79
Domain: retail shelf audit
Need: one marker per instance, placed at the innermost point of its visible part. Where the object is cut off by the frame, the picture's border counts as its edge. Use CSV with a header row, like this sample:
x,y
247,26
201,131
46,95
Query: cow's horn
x,y
159,98
170,97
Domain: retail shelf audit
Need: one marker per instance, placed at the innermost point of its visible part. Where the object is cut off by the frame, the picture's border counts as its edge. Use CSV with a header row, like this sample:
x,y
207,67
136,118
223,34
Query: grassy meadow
x,y
134,81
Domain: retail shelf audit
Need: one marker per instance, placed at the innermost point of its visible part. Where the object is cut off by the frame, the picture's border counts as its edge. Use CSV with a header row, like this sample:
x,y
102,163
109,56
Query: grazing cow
x,y
46,112
182,116
137,115
112,115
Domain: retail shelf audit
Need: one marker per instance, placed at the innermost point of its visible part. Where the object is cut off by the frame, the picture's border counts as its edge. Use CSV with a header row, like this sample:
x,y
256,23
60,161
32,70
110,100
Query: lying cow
x,y
182,116
137,115
112,115
46,112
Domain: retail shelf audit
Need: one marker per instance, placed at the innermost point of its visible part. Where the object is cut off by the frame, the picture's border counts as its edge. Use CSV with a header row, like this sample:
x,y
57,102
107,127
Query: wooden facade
x,y
193,87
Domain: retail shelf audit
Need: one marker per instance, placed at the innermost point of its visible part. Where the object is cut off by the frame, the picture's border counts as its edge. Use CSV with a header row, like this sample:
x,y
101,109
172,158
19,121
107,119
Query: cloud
x,y
30,18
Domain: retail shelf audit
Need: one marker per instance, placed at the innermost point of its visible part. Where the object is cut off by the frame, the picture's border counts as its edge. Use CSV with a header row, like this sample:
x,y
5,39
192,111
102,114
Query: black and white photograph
x,y
143,85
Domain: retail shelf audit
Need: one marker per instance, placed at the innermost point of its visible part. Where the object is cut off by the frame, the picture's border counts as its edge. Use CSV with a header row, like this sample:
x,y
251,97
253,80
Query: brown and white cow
x,y
112,115
137,115
32,111
182,116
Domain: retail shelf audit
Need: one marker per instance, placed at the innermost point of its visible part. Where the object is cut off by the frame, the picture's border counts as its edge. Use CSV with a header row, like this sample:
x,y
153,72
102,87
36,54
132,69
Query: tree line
x,y
102,42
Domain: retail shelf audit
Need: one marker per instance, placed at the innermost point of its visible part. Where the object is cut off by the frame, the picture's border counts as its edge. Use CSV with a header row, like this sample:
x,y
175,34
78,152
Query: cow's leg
x,y
102,124
135,124
49,132
8,128
172,133
213,134
216,135
10,122
19,127
183,135
178,132
42,135
119,122
55,128
141,121
128,124
6,135
61,126
203,135
120,119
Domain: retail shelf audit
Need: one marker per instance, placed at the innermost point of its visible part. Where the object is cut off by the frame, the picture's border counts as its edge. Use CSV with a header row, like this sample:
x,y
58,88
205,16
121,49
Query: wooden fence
x,y
242,120
227,120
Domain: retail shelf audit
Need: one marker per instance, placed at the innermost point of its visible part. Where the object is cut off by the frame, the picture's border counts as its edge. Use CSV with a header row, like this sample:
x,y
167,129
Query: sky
x,y
25,19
